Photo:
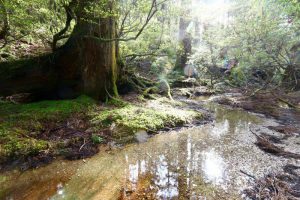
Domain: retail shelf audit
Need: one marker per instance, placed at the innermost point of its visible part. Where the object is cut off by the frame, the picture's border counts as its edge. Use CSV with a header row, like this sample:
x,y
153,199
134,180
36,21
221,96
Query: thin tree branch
x,y
61,34
152,11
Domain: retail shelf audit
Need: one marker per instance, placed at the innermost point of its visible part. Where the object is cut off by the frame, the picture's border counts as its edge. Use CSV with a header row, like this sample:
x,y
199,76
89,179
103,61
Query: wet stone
x,y
141,136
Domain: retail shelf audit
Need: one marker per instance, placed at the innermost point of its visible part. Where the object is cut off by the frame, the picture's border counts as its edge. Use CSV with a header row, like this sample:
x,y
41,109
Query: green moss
x,y
135,118
19,123
117,102
44,109
16,146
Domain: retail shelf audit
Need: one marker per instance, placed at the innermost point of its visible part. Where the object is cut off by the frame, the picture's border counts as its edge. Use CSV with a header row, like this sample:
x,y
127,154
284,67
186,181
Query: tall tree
x,y
185,38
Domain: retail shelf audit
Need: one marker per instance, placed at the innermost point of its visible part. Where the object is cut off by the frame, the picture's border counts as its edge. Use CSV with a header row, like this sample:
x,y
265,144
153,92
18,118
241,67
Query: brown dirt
x,y
71,139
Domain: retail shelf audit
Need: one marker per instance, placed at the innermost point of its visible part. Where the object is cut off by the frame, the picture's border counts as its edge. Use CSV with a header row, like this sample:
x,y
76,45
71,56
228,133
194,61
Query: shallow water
x,y
194,163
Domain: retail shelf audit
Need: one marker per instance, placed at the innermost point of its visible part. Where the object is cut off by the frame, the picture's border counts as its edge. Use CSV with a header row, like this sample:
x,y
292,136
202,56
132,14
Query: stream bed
x,y
198,163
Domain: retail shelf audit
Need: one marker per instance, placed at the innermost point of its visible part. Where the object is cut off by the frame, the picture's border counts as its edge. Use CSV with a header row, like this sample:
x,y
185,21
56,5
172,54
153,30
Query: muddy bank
x,y
283,107
69,139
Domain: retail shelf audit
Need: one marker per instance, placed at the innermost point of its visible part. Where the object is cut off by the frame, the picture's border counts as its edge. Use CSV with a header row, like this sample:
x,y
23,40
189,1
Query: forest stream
x,y
150,99
211,161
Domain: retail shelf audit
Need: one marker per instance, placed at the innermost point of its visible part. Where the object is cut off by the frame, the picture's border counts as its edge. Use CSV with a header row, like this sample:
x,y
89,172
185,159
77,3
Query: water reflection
x,y
133,173
214,167
176,176
197,163
165,180
190,161
60,190
220,128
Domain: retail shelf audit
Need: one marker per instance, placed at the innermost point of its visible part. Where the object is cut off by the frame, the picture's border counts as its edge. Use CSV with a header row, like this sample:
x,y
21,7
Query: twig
x,y
254,133
251,176
84,143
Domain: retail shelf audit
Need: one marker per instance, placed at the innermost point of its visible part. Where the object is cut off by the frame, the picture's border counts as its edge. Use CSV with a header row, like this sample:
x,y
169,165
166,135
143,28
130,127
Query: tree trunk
x,y
93,59
35,75
84,65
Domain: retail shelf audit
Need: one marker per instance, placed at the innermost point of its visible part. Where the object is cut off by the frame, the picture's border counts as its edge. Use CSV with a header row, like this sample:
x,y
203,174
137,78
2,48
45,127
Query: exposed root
x,y
247,174
149,91
84,143
272,138
169,90
290,104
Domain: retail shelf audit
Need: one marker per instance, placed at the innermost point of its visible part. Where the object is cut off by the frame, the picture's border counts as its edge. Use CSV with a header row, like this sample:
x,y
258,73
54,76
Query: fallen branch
x,y
288,103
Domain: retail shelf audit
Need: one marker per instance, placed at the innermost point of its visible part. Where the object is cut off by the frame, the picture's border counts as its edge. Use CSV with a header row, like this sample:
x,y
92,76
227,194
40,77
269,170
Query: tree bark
x,y
35,75
92,60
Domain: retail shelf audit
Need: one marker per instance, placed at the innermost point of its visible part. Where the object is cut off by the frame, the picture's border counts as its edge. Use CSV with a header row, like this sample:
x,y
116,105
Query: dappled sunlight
x,y
212,11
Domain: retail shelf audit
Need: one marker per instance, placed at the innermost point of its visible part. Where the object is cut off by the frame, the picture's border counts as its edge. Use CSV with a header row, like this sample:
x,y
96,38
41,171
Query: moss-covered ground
x,y
152,116
20,124
27,130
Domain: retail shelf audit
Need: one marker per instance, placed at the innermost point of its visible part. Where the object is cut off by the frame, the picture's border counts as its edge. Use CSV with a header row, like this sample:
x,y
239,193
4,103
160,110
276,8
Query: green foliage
x,y
96,139
261,35
159,39
32,24
238,75
161,66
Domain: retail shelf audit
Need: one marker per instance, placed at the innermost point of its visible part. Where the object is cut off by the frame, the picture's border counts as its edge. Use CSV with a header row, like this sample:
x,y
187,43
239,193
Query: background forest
x,y
159,36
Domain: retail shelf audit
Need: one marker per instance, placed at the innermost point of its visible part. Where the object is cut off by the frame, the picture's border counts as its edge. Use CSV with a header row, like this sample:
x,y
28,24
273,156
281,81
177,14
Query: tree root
x,y
145,86
148,91
169,90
